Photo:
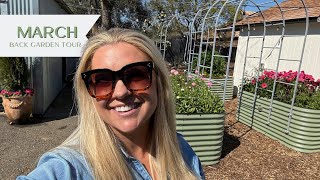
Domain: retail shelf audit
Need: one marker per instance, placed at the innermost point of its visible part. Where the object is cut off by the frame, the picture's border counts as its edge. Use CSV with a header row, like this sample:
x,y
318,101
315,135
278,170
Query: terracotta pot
x,y
17,109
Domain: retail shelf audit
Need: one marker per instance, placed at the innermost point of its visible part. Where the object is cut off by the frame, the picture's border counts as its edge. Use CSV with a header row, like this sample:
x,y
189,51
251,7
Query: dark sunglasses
x,y
100,83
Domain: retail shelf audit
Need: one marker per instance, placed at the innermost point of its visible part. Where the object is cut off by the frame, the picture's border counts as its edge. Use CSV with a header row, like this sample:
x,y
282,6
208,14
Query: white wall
x,y
292,47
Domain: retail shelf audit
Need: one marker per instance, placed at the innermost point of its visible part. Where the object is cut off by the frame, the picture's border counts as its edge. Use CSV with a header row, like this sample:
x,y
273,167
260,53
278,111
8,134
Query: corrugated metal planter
x,y
204,132
218,88
304,132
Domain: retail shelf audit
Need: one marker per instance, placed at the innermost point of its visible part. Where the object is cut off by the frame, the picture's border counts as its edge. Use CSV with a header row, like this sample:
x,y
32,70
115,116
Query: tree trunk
x,y
106,13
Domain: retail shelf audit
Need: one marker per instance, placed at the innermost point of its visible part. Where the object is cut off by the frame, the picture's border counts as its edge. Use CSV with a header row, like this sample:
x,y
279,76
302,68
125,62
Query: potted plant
x,y
218,74
199,115
15,94
301,132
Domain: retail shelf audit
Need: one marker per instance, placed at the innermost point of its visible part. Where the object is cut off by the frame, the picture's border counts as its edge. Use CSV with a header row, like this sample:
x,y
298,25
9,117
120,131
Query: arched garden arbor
x,y
271,52
167,27
210,45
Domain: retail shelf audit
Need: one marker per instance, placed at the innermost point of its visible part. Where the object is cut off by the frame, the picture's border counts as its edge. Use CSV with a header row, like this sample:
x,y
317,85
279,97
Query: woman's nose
x,y
120,90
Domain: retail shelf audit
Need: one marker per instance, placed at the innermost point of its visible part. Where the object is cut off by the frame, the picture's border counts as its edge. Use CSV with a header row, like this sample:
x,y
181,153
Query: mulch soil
x,y
248,154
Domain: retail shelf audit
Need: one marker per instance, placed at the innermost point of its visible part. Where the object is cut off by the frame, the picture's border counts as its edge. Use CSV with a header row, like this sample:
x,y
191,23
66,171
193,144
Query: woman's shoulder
x,y
184,146
189,156
61,163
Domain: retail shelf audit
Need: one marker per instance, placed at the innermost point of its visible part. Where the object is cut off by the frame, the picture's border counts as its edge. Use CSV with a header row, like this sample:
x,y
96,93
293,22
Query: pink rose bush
x,y
192,95
308,90
18,93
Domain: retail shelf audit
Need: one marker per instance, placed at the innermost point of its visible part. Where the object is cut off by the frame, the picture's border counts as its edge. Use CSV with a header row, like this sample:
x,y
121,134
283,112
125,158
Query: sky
x,y
248,8
266,6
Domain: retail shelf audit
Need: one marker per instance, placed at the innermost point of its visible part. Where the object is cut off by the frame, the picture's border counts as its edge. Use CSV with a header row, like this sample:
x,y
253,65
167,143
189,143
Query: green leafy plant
x,y
192,95
14,77
218,65
308,90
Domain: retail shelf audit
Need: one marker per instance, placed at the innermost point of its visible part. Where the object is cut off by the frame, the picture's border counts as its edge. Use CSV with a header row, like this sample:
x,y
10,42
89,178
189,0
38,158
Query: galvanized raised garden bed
x,y
304,132
204,132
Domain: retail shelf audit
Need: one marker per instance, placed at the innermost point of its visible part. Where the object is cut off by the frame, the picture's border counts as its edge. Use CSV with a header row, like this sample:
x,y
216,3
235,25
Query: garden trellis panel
x,y
270,43
168,30
212,43
272,36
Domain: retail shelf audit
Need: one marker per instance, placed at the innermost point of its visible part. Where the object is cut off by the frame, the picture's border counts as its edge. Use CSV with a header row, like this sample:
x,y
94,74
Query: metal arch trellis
x,y
194,32
211,19
197,49
179,18
162,38
162,42
219,26
278,47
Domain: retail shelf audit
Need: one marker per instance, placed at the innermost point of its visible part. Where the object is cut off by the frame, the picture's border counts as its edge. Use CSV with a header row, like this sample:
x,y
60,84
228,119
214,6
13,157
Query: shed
x,y
294,15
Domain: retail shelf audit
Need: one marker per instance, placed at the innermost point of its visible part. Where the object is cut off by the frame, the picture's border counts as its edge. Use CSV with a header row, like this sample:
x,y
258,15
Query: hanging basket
x,y
17,109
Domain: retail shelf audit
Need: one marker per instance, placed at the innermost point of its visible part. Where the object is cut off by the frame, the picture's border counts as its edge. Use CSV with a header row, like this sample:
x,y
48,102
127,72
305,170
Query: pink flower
x,y
193,84
209,84
6,93
309,77
29,92
290,79
3,92
253,81
17,93
262,77
176,73
172,71
264,85
313,83
196,72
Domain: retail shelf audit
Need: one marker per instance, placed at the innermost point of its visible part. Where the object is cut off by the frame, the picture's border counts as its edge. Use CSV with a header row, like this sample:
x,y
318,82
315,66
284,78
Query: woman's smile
x,y
125,111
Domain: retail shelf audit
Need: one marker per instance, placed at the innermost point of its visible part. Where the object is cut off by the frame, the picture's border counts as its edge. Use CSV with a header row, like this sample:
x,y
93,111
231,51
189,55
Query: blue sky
x,y
252,8
249,8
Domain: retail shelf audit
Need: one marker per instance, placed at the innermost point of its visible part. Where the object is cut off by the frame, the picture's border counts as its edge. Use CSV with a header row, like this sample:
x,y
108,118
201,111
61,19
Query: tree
x,y
114,13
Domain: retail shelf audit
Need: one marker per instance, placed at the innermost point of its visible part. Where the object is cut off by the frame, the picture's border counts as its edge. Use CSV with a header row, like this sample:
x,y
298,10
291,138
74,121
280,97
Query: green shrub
x,y
193,95
14,77
308,89
218,66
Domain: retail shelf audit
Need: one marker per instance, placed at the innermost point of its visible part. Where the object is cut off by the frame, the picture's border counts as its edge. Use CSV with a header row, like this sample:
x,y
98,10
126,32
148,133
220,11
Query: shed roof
x,y
292,10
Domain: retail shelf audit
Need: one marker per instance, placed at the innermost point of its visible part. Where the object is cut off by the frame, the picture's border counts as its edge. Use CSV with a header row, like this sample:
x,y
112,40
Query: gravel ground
x,y
246,153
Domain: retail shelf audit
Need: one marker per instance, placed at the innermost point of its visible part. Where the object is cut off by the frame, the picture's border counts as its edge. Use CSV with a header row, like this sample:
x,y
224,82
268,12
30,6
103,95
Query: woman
x,y
126,117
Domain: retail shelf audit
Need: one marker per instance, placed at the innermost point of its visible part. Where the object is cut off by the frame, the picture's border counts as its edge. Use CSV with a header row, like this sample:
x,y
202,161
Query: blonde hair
x,y
97,141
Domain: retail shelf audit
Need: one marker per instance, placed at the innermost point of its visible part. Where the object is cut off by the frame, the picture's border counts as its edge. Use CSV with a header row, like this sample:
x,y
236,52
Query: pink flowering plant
x,y
14,77
192,95
308,92
17,93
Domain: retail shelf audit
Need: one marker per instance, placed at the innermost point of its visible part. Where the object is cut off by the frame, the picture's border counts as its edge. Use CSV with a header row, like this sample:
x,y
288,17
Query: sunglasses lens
x,y
101,83
137,78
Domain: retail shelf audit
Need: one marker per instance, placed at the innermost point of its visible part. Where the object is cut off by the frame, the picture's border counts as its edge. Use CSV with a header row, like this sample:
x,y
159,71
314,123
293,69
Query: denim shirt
x,y
67,163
